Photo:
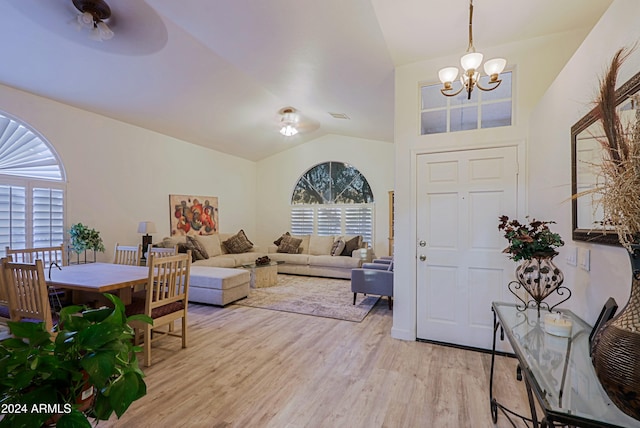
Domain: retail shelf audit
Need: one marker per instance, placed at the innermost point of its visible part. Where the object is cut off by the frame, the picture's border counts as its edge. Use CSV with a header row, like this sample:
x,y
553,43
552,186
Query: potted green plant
x,y
535,245
84,238
89,370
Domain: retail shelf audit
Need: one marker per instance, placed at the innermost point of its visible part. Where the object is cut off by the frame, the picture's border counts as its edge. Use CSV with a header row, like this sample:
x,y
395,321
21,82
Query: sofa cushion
x,y
289,244
338,247
295,259
238,243
338,262
223,261
277,241
320,245
195,245
172,241
350,245
210,243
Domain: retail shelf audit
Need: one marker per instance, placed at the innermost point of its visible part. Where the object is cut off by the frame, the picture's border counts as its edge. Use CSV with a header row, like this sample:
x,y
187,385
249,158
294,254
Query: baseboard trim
x,y
466,348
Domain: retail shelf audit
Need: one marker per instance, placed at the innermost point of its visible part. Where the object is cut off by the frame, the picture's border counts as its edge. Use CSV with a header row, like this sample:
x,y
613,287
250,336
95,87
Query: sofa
x,y
214,279
327,256
215,253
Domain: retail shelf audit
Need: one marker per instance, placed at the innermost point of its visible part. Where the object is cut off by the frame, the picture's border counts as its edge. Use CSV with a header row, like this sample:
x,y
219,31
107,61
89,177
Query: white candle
x,y
558,325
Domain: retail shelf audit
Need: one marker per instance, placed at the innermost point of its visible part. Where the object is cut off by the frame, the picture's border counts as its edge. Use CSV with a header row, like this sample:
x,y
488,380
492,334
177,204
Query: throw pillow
x,y
289,245
238,243
350,245
338,247
183,248
195,253
210,243
320,245
279,240
198,246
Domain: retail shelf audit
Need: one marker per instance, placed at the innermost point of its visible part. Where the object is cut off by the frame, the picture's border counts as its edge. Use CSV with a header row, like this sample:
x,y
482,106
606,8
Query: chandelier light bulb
x,y
494,66
471,61
288,130
448,74
86,19
105,31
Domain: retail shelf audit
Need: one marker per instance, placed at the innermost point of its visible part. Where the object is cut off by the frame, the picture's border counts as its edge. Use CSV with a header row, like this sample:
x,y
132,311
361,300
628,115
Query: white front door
x,y
461,194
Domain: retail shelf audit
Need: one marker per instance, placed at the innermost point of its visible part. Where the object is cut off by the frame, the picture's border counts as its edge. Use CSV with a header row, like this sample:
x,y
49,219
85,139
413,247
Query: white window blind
x,y
358,220
302,221
13,209
334,220
48,217
329,221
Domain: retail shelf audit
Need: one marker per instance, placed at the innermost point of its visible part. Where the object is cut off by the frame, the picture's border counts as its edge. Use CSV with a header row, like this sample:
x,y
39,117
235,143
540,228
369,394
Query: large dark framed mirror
x,y
586,154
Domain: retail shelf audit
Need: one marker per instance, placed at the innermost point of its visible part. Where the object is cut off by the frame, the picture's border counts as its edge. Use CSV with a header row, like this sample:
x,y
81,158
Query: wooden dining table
x,y
99,278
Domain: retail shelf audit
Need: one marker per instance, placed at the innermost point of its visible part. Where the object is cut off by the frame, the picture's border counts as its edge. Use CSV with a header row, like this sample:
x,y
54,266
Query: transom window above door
x,y
491,109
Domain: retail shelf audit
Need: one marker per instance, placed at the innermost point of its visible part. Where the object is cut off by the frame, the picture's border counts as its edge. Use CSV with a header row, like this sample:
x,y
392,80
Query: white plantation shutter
x,y
329,221
358,220
48,217
32,188
302,221
13,226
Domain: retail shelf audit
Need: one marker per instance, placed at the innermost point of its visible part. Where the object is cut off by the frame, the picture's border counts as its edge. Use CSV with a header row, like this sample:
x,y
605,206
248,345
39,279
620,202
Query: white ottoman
x,y
218,286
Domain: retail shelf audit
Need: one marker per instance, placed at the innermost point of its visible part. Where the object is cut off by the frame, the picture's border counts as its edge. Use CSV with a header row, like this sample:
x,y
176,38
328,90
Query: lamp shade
x,y
495,66
471,60
288,130
146,227
448,74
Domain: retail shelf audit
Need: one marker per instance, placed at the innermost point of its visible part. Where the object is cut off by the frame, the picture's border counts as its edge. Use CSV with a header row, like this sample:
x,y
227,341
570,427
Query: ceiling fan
x,y
291,122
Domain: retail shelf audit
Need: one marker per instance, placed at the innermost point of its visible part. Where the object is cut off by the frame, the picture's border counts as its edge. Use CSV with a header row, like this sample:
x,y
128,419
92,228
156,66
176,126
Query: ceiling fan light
x,y
471,60
105,31
288,130
95,34
448,74
85,19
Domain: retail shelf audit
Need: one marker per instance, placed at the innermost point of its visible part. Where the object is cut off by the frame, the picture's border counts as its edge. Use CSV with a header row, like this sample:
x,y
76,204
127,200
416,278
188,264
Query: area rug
x,y
321,297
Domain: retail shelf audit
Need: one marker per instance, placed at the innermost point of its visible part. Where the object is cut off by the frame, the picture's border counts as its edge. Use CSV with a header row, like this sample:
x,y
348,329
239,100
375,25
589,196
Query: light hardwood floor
x,y
248,367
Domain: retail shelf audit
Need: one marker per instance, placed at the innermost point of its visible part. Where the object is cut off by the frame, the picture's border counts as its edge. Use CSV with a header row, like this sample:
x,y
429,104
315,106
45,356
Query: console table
x,y
557,371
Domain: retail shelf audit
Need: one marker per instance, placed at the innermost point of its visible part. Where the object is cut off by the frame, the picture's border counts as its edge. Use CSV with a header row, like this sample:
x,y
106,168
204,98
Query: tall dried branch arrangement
x,y
620,168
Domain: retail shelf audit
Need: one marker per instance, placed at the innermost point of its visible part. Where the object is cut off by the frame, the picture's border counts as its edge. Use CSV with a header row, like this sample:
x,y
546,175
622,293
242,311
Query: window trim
x,y
479,105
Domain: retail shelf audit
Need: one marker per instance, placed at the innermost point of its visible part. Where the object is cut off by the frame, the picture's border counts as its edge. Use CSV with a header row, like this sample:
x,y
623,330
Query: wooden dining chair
x,y
127,254
161,252
48,255
4,294
52,257
166,300
27,292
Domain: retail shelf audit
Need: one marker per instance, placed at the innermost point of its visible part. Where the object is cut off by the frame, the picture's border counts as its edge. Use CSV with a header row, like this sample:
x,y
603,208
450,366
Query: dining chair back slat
x,y
127,254
27,292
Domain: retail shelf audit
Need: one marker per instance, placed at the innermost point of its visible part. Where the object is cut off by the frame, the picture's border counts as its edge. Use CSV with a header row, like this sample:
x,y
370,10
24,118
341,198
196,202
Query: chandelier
x,y
470,63
92,14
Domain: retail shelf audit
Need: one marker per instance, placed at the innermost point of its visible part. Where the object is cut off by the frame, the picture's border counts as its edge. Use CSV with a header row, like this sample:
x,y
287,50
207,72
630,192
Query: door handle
x,y
422,243
423,257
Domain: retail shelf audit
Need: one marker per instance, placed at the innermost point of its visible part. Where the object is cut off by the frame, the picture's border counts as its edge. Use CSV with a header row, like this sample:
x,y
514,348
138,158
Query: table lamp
x,y
146,227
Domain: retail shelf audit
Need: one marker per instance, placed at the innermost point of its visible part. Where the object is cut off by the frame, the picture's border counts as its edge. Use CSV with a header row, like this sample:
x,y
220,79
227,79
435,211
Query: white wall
x,y
278,174
119,174
567,100
536,63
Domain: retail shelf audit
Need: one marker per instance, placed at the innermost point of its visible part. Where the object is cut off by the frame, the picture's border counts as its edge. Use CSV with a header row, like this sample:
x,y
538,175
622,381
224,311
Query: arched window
x,y
332,198
32,188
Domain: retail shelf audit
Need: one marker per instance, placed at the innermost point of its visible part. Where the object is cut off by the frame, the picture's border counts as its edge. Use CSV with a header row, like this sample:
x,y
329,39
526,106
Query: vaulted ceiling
x,y
216,72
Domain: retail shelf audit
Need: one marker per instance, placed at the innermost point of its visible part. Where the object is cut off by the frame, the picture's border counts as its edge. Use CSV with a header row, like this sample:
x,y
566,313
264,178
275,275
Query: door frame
x,y
521,203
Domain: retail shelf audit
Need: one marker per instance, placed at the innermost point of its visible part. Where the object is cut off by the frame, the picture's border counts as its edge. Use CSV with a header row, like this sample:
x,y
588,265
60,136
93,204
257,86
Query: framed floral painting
x,y
193,215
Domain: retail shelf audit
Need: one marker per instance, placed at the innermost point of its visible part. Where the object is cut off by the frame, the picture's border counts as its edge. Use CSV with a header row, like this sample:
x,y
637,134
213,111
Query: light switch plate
x,y
585,259
572,256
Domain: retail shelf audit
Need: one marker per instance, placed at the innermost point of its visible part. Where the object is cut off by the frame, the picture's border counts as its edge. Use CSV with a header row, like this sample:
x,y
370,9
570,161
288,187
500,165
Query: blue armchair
x,y
373,278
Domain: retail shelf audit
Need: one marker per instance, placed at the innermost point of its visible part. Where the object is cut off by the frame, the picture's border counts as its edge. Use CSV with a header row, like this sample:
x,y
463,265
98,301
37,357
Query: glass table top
x,y
560,367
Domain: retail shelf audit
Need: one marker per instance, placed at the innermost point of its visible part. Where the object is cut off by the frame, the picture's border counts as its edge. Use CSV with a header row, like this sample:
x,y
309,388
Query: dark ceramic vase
x,y
616,349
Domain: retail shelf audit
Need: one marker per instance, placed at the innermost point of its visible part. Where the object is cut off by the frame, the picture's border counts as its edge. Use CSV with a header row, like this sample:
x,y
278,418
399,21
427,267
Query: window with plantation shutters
x,y
332,198
32,188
